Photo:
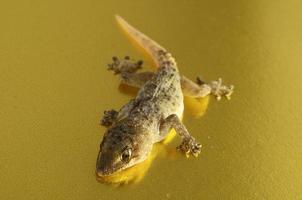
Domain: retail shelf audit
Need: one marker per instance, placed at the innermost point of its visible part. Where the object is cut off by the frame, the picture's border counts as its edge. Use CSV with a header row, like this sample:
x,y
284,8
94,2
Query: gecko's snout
x,y
102,167
101,171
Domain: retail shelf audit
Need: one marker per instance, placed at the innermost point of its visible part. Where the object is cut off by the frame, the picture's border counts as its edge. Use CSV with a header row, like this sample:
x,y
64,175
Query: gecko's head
x,y
121,148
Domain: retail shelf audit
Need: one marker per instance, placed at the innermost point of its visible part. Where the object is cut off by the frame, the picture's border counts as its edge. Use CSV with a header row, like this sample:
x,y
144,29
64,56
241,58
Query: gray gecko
x,y
157,108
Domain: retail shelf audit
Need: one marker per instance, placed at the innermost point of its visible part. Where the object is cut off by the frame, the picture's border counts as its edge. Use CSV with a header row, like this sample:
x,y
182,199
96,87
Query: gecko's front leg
x,y
189,145
109,117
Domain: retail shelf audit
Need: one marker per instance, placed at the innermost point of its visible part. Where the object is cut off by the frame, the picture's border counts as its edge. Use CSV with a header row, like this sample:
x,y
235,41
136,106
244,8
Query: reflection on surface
x,y
196,107
132,175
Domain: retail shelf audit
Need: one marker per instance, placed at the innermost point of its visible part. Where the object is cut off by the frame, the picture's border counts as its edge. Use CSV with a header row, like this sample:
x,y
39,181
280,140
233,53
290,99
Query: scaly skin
x,y
148,118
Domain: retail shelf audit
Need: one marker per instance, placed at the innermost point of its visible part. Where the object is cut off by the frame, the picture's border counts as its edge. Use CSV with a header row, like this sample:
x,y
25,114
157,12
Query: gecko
x,y
157,108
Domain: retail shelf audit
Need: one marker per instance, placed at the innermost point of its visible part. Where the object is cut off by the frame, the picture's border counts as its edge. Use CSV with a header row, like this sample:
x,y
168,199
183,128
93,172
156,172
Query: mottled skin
x,y
158,107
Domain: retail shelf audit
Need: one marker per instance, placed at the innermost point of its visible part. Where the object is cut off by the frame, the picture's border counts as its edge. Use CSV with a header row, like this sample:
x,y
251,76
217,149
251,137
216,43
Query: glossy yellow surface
x,y
54,87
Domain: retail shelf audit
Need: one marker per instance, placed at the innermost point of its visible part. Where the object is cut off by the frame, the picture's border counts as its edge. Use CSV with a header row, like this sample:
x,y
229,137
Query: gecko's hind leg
x,y
202,89
136,79
127,70
191,89
129,76
188,145
124,65
109,117
217,88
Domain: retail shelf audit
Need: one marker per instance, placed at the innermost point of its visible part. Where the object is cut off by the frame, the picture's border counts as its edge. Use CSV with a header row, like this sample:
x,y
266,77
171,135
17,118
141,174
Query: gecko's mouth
x,y
105,168
104,172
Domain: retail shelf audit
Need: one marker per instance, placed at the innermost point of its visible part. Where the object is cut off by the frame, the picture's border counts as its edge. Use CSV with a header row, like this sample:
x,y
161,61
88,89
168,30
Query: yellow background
x,y
54,87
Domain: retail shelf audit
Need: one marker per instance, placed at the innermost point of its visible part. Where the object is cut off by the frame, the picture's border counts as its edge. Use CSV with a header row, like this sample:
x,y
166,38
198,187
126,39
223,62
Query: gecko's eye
x,y
126,155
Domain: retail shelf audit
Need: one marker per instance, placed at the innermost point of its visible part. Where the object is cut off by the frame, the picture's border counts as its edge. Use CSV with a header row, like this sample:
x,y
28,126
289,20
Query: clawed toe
x,y
219,90
124,65
190,147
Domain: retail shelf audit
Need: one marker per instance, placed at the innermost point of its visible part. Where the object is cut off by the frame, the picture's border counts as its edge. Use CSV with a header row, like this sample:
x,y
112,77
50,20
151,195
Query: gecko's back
x,y
162,94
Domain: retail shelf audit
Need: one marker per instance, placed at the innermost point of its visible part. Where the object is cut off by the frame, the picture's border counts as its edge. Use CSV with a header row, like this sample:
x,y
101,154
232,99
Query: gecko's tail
x,y
158,54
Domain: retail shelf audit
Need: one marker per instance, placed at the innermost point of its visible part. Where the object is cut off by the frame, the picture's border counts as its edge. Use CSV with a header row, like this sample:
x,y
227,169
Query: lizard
x,y
157,108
